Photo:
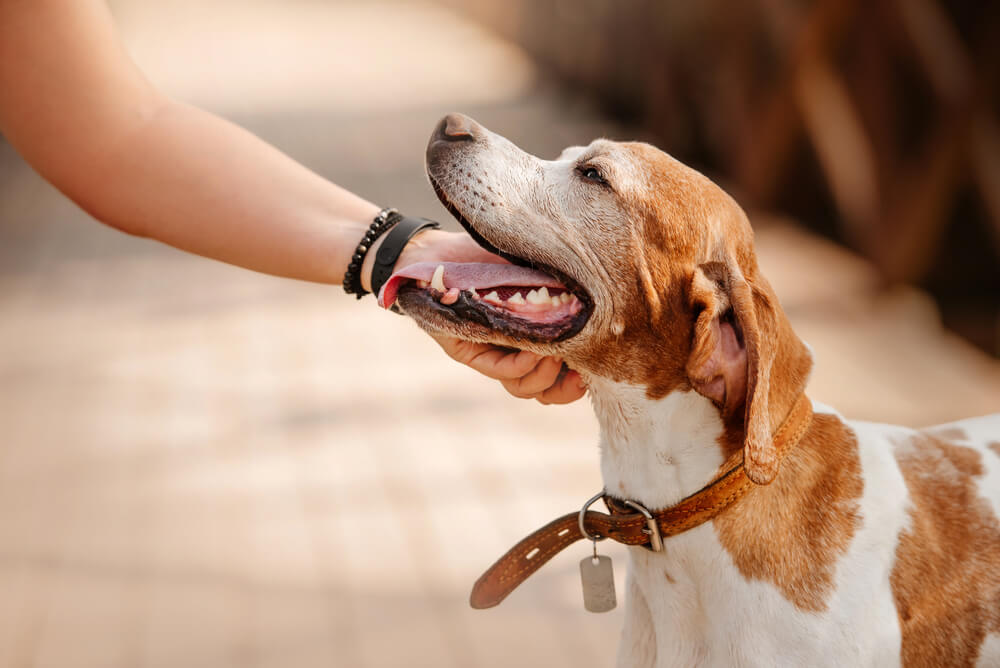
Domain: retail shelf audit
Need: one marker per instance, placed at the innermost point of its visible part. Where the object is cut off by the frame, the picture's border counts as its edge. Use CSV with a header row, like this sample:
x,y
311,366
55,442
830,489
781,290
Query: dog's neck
x,y
655,452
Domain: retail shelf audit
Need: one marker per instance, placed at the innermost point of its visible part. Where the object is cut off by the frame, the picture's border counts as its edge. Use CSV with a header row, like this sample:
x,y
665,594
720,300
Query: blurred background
x,y
203,466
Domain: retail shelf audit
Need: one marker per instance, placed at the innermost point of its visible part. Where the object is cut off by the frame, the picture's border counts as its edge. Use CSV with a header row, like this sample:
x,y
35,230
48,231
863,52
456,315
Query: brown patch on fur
x,y
793,531
946,580
995,447
649,234
948,433
683,225
668,212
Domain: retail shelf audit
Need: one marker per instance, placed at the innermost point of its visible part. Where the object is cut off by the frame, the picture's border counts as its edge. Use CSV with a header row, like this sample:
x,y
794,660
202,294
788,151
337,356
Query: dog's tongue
x,y
466,276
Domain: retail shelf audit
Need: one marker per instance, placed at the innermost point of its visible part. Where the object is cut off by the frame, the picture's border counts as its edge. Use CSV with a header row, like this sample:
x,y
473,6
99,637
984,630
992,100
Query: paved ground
x,y
207,467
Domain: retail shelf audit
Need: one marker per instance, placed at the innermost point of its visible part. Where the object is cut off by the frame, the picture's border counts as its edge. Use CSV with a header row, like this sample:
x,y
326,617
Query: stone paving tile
x,y
208,467
292,471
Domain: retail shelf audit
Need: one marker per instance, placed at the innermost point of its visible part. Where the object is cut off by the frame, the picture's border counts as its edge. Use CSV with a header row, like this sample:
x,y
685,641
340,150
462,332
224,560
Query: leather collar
x,y
626,526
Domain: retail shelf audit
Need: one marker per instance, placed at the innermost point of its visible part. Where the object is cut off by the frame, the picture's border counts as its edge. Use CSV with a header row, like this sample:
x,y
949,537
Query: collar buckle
x,y
653,527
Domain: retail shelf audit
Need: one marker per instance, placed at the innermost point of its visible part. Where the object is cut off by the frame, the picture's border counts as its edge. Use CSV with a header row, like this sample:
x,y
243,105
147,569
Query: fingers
x,y
441,246
465,249
491,361
522,373
568,389
505,364
550,382
543,376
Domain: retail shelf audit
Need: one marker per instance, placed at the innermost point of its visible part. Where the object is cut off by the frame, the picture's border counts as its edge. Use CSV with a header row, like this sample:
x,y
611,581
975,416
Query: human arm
x,y
81,113
77,108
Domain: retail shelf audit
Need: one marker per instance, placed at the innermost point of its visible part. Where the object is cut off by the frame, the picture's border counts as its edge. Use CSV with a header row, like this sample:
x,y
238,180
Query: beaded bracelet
x,y
385,219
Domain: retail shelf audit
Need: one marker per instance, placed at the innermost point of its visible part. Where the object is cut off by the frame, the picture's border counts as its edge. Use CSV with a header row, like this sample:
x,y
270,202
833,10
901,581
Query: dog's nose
x,y
457,127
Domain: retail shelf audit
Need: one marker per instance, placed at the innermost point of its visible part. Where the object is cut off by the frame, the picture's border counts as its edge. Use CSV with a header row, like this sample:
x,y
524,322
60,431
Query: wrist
x,y
369,264
381,249
412,253
416,249
353,277
397,239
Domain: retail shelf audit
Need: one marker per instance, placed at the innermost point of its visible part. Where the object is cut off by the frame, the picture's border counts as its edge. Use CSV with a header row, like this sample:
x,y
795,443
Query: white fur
x,y
989,653
655,451
689,605
707,613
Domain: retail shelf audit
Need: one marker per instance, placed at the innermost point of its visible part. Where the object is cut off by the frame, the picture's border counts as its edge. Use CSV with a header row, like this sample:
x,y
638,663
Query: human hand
x,y
524,374
440,246
431,245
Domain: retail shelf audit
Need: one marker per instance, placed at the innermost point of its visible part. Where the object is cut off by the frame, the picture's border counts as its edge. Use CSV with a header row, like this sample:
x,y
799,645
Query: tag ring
x,y
583,511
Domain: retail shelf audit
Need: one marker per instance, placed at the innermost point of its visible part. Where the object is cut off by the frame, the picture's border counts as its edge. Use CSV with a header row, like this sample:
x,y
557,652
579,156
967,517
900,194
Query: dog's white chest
x,y
691,605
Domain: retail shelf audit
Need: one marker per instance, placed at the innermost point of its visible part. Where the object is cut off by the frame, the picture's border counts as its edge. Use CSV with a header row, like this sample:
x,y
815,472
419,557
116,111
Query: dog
x,y
855,544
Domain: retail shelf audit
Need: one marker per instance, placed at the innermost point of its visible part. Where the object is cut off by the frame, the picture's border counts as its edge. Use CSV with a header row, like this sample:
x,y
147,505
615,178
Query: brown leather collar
x,y
626,526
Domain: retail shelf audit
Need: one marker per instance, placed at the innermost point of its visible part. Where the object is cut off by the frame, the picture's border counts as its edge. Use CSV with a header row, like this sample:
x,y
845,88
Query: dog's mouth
x,y
525,300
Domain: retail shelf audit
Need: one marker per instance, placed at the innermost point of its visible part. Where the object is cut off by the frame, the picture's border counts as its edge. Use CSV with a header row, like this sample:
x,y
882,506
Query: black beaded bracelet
x,y
385,219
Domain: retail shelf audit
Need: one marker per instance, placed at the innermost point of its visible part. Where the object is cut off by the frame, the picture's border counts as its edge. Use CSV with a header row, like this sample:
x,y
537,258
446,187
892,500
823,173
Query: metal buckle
x,y
583,511
655,541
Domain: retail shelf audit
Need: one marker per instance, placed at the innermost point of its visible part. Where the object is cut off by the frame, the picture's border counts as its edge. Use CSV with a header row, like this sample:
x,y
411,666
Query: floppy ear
x,y
717,365
739,331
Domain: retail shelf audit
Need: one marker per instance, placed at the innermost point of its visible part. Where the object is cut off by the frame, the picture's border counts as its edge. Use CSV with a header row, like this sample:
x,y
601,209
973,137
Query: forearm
x,y
81,113
202,184
78,109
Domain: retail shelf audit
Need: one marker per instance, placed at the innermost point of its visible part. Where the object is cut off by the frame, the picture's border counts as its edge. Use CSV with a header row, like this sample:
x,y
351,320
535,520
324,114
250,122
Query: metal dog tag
x,y
598,580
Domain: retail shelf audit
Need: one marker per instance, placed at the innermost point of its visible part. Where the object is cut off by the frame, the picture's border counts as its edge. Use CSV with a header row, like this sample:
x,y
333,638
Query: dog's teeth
x,y
450,297
472,291
540,296
516,298
565,298
493,298
437,280
422,284
556,301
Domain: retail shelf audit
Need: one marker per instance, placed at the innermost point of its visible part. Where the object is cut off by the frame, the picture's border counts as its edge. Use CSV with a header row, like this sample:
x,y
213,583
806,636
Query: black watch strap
x,y
394,243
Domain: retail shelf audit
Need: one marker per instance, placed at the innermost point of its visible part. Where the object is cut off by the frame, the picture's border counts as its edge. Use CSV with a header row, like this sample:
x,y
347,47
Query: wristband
x,y
395,242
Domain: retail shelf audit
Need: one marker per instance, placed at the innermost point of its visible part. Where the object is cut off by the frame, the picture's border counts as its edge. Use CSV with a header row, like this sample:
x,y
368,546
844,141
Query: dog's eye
x,y
591,174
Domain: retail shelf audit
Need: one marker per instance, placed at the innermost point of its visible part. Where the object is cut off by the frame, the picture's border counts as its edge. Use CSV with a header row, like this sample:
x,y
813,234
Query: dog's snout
x,y
454,136
457,127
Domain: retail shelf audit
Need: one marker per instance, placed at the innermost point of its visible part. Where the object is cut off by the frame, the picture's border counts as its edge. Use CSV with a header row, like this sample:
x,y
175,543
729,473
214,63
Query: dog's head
x,y
648,270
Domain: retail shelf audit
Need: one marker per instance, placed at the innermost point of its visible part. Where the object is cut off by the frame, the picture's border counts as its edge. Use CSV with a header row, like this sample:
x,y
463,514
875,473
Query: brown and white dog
x,y
867,544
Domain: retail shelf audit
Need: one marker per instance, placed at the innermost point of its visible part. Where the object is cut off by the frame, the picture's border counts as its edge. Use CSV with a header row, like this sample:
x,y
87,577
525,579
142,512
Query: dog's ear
x,y
717,365
739,332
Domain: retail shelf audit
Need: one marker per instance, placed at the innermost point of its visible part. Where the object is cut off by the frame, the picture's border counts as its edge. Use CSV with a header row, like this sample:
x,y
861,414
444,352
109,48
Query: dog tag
x,y
598,583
